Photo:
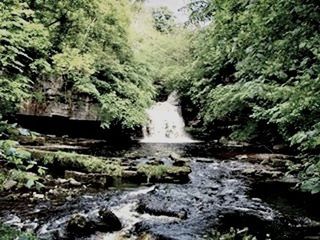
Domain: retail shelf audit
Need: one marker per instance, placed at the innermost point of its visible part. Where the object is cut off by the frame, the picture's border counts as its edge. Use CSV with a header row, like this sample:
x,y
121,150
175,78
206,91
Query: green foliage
x,y
163,19
85,43
21,35
20,165
232,235
25,179
200,10
153,170
258,67
8,233
75,161
166,54
310,175
255,73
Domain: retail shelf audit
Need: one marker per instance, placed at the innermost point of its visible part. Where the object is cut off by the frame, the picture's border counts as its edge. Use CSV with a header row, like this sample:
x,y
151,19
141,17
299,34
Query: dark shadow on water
x,y
288,201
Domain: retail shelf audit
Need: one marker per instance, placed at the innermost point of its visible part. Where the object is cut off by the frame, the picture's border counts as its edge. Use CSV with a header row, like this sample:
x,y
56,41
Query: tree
x,y
164,20
85,43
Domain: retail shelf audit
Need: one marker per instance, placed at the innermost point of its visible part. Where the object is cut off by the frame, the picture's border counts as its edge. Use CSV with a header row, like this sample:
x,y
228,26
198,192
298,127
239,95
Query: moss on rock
x,y
165,173
78,162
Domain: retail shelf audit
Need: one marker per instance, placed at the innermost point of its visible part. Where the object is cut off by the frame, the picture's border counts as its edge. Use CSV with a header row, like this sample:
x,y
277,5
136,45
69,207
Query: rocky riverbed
x,y
166,192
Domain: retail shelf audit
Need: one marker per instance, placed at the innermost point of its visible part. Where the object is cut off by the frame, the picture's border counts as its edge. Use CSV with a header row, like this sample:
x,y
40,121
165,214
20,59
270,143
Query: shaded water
x,y
218,196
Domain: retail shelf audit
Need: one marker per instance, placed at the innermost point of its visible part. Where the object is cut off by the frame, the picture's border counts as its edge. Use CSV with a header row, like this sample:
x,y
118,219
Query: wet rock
x,y
156,210
178,160
74,183
155,162
164,174
242,157
290,179
109,222
270,174
262,173
227,143
36,196
180,163
60,181
79,225
205,160
249,171
74,175
95,179
9,184
132,176
175,156
264,157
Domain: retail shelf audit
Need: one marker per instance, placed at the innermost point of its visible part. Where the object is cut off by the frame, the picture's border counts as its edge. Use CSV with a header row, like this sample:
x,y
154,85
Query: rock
x,y
270,174
205,160
132,176
242,157
78,225
54,192
95,179
279,147
109,221
36,196
31,140
178,160
180,163
74,183
264,157
249,171
61,181
290,179
73,174
175,156
9,184
145,206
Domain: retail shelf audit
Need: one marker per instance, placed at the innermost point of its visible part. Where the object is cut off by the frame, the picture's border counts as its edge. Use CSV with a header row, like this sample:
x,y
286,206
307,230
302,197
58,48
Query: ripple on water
x,y
215,197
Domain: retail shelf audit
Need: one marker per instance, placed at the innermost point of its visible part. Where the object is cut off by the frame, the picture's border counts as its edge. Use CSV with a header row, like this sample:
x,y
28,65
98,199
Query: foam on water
x,y
166,124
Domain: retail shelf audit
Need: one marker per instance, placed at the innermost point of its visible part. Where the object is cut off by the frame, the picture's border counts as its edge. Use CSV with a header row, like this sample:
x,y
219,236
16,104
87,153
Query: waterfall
x,y
166,124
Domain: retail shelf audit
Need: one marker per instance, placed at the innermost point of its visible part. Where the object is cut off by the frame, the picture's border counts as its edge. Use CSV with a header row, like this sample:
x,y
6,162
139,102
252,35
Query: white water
x,y
129,217
166,124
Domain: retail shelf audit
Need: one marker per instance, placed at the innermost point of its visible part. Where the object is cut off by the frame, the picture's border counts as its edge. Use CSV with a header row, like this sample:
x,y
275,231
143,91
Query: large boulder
x,y
79,225
108,221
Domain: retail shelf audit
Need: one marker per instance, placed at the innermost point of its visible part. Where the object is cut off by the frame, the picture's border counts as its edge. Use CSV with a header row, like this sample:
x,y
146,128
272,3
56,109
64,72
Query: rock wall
x,y
52,99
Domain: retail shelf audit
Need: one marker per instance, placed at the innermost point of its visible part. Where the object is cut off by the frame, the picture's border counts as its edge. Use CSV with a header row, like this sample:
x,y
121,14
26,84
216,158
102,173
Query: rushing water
x,y
165,123
218,195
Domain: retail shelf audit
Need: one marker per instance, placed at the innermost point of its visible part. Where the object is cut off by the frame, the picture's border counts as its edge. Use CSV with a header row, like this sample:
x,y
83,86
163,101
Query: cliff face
x,y
52,99
57,109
